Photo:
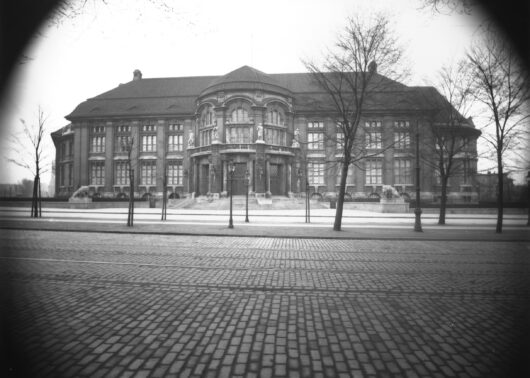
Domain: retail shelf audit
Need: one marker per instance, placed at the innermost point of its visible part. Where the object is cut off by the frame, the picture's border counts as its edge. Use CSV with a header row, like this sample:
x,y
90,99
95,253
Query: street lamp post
x,y
247,182
231,169
528,195
417,210
307,203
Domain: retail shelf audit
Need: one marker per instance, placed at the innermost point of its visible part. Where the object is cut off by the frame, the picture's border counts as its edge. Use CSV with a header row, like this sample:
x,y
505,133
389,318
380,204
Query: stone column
x,y
215,169
220,119
259,183
289,168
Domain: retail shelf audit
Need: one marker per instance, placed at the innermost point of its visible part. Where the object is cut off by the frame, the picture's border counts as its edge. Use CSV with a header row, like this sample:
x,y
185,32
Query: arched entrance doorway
x,y
238,184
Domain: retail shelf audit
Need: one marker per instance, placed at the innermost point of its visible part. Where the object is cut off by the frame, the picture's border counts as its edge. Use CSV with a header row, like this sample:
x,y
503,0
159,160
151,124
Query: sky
x,y
75,59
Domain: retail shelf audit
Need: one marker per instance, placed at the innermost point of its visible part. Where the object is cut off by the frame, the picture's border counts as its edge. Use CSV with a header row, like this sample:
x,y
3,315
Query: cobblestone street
x,y
132,305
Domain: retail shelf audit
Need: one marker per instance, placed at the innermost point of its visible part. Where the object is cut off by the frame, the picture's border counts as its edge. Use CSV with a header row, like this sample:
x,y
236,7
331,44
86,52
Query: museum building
x,y
271,133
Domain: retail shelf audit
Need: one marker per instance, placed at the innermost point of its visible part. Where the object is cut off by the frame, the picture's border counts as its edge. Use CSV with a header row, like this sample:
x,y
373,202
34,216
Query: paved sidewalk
x,y
272,223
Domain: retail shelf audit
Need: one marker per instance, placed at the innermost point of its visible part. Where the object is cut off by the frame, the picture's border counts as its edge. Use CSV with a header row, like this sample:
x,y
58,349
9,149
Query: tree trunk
x,y
500,195
34,197
130,217
443,201
340,200
39,201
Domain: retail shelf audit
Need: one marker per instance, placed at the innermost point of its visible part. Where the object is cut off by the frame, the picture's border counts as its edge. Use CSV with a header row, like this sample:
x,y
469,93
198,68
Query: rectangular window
x,y
174,142
315,125
373,140
315,141
315,173
148,143
372,124
175,137
401,124
98,144
374,172
97,173
175,127
62,175
148,138
402,171
97,139
340,140
401,139
148,172
63,151
121,173
174,172
239,135
206,137
122,138
275,136
70,176
148,129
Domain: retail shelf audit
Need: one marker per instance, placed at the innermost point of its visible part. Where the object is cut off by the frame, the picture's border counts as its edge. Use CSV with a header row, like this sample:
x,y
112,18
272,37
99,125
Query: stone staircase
x,y
239,203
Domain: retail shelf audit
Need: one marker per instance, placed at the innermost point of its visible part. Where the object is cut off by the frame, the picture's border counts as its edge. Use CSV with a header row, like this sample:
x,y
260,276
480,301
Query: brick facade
x,y
264,126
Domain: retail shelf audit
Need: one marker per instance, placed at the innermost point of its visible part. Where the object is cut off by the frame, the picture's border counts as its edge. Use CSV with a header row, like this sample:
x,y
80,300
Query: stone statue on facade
x,y
296,142
215,135
191,140
260,132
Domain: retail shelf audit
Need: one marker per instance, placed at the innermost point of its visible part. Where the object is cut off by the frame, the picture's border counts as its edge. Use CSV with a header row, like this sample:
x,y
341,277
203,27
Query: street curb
x,y
482,236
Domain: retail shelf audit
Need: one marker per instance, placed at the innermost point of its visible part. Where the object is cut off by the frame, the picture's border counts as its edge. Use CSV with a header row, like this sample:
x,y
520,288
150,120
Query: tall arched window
x,y
208,117
240,115
274,117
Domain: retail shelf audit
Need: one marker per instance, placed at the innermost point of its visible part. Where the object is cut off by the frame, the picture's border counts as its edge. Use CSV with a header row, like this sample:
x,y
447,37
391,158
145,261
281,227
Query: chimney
x,y
137,75
372,67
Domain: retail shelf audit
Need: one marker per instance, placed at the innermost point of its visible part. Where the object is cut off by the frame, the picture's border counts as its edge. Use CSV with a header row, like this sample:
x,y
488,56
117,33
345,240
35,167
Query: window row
x,y
373,140
373,172
121,173
122,143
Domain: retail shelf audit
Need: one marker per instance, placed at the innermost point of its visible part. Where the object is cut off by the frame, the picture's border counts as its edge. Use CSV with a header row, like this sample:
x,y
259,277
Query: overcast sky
x,y
82,57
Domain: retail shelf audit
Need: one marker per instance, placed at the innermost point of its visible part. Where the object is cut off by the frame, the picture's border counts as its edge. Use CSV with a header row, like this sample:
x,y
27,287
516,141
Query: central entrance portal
x,y
276,179
238,185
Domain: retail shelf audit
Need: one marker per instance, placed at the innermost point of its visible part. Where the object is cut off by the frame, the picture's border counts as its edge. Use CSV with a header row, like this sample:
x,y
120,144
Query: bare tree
x,y
442,6
27,145
72,9
502,86
349,76
449,151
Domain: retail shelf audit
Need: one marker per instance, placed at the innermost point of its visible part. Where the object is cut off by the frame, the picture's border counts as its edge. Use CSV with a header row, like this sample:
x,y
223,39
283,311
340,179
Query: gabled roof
x,y
177,96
